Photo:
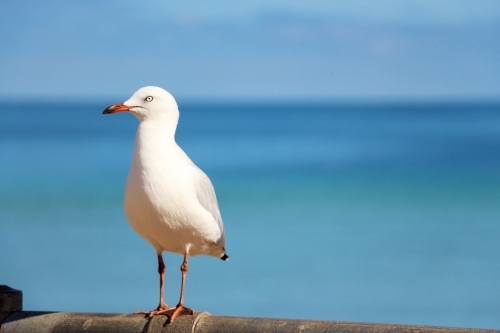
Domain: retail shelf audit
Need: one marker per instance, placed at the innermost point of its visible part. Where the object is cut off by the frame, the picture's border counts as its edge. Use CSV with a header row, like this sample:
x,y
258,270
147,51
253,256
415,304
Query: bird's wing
x,y
206,196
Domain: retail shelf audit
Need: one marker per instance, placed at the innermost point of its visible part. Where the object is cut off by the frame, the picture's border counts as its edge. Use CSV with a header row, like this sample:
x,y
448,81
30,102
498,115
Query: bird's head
x,y
148,103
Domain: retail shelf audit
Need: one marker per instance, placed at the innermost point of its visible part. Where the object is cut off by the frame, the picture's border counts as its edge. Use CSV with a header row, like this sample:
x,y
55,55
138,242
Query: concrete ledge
x,y
31,321
27,321
212,324
14,320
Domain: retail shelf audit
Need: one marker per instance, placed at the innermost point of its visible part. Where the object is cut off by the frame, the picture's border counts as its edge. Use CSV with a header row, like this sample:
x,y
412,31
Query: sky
x,y
222,49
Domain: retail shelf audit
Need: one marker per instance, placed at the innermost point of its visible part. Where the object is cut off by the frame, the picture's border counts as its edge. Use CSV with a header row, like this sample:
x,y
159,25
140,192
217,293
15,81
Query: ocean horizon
x,y
370,212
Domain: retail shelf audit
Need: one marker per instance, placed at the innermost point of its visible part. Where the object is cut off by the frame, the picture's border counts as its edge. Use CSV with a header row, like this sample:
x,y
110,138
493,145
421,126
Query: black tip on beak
x,y
115,108
108,110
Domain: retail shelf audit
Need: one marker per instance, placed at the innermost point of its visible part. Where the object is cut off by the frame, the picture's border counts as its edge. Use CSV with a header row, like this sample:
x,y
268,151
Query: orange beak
x,y
116,108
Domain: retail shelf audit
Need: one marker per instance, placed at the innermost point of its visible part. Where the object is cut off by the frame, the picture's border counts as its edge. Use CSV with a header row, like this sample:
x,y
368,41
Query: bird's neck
x,y
154,139
157,129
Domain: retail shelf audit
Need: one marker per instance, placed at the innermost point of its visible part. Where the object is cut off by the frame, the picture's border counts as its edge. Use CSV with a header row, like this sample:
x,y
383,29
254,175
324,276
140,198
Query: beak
x,y
116,108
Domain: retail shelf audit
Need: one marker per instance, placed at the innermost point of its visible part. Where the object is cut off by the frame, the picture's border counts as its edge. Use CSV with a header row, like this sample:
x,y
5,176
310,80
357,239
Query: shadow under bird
x,y
169,201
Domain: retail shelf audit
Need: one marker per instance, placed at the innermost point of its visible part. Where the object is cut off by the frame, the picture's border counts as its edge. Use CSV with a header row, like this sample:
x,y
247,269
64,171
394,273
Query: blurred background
x,y
354,147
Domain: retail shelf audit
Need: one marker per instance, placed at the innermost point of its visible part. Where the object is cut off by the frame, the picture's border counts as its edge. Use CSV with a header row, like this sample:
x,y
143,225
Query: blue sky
x,y
333,50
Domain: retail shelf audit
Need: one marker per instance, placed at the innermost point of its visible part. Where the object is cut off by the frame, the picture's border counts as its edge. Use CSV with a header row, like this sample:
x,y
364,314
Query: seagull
x,y
169,201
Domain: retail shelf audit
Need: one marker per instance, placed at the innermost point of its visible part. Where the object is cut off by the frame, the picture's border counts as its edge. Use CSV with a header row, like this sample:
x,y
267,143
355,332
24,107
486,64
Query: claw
x,y
172,313
179,310
157,311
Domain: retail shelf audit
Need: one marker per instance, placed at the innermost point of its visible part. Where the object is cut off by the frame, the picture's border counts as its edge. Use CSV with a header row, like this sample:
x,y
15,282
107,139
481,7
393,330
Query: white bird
x,y
169,201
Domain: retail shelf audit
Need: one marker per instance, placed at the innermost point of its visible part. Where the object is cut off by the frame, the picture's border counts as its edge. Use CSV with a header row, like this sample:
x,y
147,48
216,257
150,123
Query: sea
x,y
366,212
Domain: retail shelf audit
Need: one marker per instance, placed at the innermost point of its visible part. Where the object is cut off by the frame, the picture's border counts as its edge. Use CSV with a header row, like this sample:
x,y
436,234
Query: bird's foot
x,y
179,310
157,311
172,313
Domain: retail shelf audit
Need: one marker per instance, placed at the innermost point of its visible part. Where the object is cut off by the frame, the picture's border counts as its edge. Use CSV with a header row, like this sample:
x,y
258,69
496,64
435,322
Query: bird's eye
x,y
148,99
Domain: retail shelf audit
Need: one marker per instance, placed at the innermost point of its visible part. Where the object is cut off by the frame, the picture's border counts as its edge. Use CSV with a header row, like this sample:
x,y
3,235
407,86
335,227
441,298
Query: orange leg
x,y
180,309
161,271
162,306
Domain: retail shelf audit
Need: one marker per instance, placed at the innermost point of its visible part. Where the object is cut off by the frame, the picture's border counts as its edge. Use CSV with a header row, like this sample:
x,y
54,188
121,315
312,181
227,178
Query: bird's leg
x,y
162,306
180,309
161,271
184,269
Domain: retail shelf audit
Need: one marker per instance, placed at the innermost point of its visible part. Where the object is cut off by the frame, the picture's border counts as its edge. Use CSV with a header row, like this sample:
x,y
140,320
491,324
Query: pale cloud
x,y
64,48
402,11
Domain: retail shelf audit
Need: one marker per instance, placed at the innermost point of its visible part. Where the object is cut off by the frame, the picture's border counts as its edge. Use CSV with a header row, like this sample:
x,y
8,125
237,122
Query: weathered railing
x,y
13,319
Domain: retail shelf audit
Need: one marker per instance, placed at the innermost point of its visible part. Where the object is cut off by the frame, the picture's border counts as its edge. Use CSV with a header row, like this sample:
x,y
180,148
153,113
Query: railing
x,y
13,319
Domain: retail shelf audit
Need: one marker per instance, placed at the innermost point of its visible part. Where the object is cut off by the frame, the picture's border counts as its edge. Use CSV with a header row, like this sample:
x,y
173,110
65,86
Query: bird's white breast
x,y
160,198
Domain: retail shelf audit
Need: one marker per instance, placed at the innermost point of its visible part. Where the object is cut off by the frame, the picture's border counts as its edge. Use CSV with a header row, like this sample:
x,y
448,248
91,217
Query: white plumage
x,y
169,201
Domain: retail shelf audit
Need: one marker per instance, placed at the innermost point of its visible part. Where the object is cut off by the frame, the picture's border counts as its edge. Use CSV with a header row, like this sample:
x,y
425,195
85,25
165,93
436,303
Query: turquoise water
x,y
380,213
